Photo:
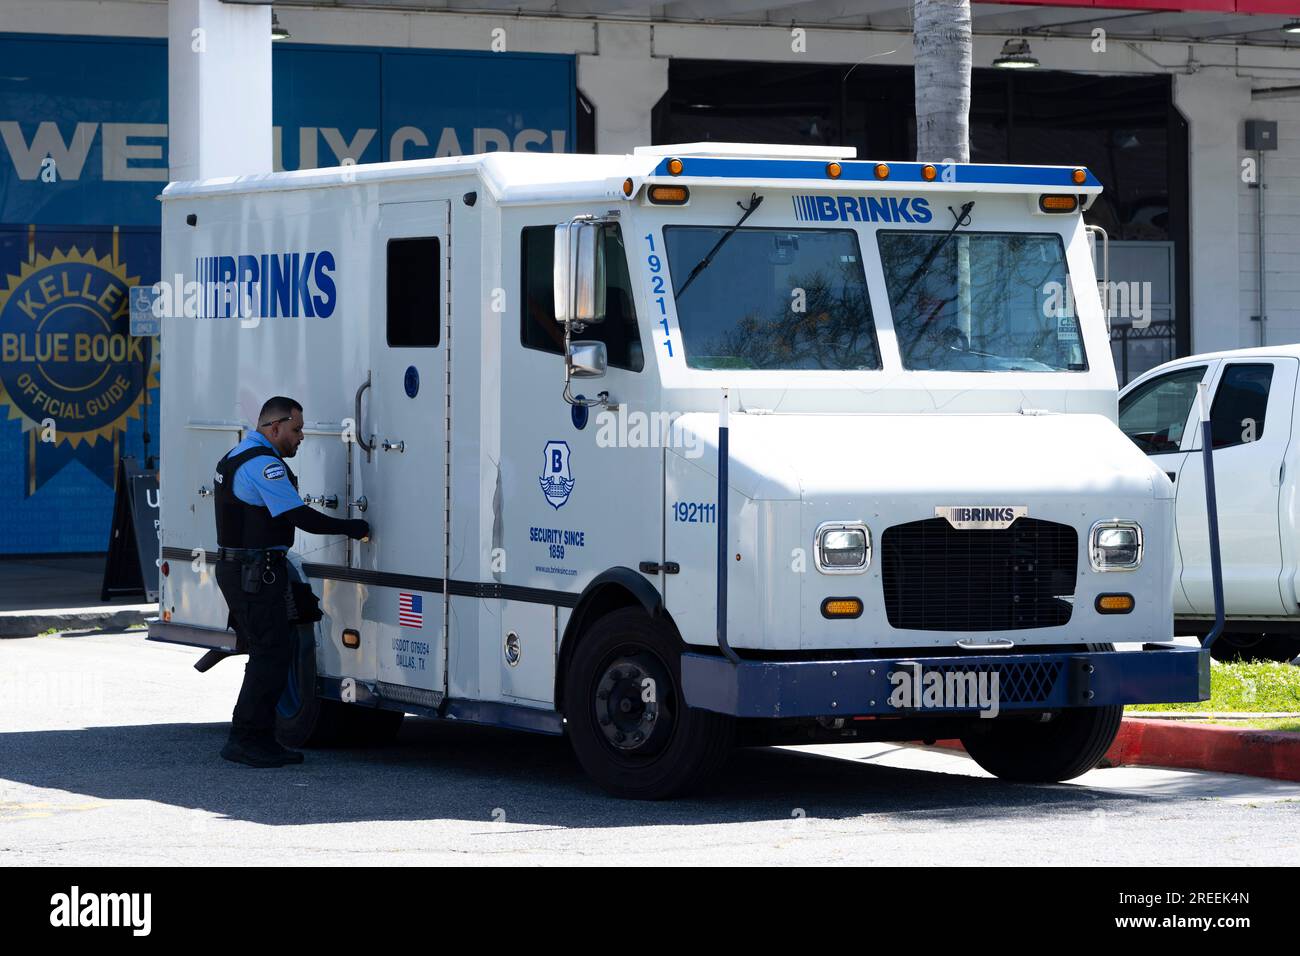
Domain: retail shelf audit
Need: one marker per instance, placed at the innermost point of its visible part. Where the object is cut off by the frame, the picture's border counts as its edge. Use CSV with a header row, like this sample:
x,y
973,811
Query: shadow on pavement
x,y
435,771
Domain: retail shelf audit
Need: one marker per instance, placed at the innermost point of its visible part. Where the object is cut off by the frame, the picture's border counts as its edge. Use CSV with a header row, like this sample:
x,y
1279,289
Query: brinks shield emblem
x,y
556,480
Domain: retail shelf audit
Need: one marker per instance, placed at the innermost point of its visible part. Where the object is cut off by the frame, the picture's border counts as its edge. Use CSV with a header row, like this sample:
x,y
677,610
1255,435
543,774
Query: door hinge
x,y
654,567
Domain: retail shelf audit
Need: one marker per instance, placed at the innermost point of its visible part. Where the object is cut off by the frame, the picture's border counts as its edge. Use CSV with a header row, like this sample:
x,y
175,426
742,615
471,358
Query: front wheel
x,y
626,717
1070,743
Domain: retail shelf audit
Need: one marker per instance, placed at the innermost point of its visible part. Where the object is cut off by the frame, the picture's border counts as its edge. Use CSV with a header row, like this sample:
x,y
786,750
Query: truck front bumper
x,y
852,688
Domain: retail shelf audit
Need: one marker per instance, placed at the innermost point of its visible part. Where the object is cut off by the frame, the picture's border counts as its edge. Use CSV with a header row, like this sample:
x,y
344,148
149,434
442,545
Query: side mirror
x,y
587,359
579,274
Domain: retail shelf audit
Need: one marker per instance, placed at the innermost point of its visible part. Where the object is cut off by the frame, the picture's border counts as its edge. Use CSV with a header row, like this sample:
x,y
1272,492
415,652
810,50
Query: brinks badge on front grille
x,y
969,517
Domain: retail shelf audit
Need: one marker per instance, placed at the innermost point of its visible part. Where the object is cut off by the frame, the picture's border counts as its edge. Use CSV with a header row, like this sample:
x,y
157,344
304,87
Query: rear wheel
x,y
1255,647
1070,743
303,719
626,718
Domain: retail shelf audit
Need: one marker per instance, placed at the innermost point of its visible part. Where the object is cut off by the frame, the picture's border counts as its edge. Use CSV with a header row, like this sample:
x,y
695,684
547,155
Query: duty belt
x,y
249,554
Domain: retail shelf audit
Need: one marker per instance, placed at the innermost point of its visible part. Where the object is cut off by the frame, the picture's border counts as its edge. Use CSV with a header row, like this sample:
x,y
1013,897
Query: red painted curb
x,y
1169,743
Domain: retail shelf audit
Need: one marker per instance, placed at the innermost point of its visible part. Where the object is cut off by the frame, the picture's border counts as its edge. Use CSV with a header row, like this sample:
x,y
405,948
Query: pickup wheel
x,y
303,719
1071,743
627,721
1255,647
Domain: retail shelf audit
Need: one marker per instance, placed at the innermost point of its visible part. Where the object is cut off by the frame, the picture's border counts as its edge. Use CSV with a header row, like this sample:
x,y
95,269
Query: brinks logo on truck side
x,y
270,285
862,209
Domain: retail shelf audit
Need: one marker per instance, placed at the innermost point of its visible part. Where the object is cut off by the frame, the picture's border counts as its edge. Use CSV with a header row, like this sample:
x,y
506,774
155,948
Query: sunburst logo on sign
x,y
66,353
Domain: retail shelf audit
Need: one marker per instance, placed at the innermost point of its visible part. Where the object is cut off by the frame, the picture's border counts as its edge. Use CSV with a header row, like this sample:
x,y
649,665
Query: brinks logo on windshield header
x,y
862,209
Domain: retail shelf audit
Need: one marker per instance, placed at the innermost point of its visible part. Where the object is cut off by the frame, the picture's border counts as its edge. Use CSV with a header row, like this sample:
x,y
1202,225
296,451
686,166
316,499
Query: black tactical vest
x,y
239,524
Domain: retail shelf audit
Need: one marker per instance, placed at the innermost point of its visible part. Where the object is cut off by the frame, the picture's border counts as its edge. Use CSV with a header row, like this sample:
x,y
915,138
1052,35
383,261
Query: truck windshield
x,y
986,302
773,299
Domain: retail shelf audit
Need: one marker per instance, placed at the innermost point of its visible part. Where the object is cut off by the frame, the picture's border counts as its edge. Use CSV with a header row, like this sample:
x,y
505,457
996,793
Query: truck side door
x,y
1157,415
404,477
1250,418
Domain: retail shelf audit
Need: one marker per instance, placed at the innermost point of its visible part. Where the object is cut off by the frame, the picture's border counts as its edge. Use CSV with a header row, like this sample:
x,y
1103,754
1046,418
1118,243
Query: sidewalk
x,y
37,594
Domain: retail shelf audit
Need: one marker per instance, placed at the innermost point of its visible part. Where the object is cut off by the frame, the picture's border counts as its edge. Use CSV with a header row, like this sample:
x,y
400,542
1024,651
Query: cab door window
x,y
1154,414
538,328
1237,415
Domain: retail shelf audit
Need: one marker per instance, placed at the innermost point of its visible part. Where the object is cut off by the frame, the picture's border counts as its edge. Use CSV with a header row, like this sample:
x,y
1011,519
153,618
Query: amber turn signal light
x,y
849,607
1115,603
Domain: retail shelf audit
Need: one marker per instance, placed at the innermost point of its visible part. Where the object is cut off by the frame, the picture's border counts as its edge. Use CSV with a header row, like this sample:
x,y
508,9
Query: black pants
x,y
261,623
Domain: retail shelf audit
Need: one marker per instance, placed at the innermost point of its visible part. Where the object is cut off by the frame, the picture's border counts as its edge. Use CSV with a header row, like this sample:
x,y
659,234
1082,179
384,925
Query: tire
x,y
1028,751
1230,648
634,747
302,719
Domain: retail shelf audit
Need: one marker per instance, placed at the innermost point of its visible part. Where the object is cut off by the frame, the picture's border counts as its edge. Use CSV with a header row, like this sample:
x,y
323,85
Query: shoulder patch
x,y
273,471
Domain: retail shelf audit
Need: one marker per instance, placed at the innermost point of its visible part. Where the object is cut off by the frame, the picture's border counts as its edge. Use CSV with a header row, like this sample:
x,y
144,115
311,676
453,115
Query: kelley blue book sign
x,y
83,156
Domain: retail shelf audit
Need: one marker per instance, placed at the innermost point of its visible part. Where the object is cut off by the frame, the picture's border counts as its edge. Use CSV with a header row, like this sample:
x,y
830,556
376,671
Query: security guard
x,y
257,510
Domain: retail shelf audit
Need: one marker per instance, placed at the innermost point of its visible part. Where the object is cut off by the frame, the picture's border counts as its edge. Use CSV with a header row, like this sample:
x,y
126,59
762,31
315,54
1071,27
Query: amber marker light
x,y
882,170
675,167
351,638
928,173
1080,176
1058,203
669,195
833,170
627,187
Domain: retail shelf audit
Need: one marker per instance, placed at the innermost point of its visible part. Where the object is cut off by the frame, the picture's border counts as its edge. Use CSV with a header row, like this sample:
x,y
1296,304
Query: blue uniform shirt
x,y
263,481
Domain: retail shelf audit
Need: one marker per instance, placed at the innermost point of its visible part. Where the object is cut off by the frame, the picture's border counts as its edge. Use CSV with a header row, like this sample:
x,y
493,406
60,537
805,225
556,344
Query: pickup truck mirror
x,y
587,359
579,273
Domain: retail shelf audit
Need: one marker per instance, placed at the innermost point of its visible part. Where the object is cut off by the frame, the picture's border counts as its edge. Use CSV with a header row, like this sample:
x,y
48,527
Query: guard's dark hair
x,y
276,408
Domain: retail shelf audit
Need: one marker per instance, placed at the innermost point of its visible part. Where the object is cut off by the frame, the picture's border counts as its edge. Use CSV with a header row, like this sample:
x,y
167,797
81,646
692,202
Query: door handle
x,y
331,502
205,491
360,504
366,446
397,446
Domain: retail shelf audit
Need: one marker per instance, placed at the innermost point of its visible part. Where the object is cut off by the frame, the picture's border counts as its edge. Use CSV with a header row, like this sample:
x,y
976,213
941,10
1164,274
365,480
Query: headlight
x,y
1115,546
842,547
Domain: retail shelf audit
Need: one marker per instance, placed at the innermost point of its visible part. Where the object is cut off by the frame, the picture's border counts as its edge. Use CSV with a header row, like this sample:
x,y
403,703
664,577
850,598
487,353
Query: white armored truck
x,y
706,445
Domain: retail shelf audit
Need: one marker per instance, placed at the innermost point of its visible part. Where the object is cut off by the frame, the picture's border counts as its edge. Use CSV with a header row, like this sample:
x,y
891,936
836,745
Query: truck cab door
x,y
1250,416
403,477
1158,415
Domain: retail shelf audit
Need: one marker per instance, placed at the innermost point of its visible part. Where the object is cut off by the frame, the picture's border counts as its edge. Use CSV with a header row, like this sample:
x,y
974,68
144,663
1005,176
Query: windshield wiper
x,y
963,219
754,201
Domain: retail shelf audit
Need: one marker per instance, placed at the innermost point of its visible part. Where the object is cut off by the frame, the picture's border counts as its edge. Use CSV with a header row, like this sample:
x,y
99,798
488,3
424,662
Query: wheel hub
x,y
628,707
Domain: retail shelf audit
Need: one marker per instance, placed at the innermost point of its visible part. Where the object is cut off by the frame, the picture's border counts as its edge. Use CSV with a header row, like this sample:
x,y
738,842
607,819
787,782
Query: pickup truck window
x,y
981,301
537,326
773,299
1237,414
1155,413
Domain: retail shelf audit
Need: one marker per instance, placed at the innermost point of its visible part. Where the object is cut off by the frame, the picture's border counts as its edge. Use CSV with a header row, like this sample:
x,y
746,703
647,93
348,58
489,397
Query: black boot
x,y
254,753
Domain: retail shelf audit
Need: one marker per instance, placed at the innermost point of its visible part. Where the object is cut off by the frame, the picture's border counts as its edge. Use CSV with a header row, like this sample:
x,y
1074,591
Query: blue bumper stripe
x,y
853,688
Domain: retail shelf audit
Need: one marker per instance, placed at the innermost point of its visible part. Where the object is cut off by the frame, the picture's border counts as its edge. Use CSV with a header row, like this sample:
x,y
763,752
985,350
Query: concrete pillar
x,y
624,83
1214,103
218,89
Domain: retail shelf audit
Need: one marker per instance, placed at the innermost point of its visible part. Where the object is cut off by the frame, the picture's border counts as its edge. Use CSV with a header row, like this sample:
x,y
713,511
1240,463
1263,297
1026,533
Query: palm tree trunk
x,y
942,42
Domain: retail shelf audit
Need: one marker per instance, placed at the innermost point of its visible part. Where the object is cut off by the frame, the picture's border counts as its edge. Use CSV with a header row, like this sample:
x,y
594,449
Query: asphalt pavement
x,y
109,756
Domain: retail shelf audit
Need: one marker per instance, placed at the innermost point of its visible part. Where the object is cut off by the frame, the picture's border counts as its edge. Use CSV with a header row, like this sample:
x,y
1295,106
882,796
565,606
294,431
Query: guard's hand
x,y
358,528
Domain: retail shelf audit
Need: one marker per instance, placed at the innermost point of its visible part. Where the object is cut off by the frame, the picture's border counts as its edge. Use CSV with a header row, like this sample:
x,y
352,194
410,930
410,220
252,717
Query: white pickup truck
x,y
1257,473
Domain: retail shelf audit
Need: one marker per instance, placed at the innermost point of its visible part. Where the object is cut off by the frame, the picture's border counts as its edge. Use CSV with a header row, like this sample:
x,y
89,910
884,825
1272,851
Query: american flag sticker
x,y
410,610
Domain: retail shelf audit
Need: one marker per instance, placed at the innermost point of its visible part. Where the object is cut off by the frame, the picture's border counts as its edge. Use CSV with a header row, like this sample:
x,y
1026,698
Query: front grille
x,y
937,578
